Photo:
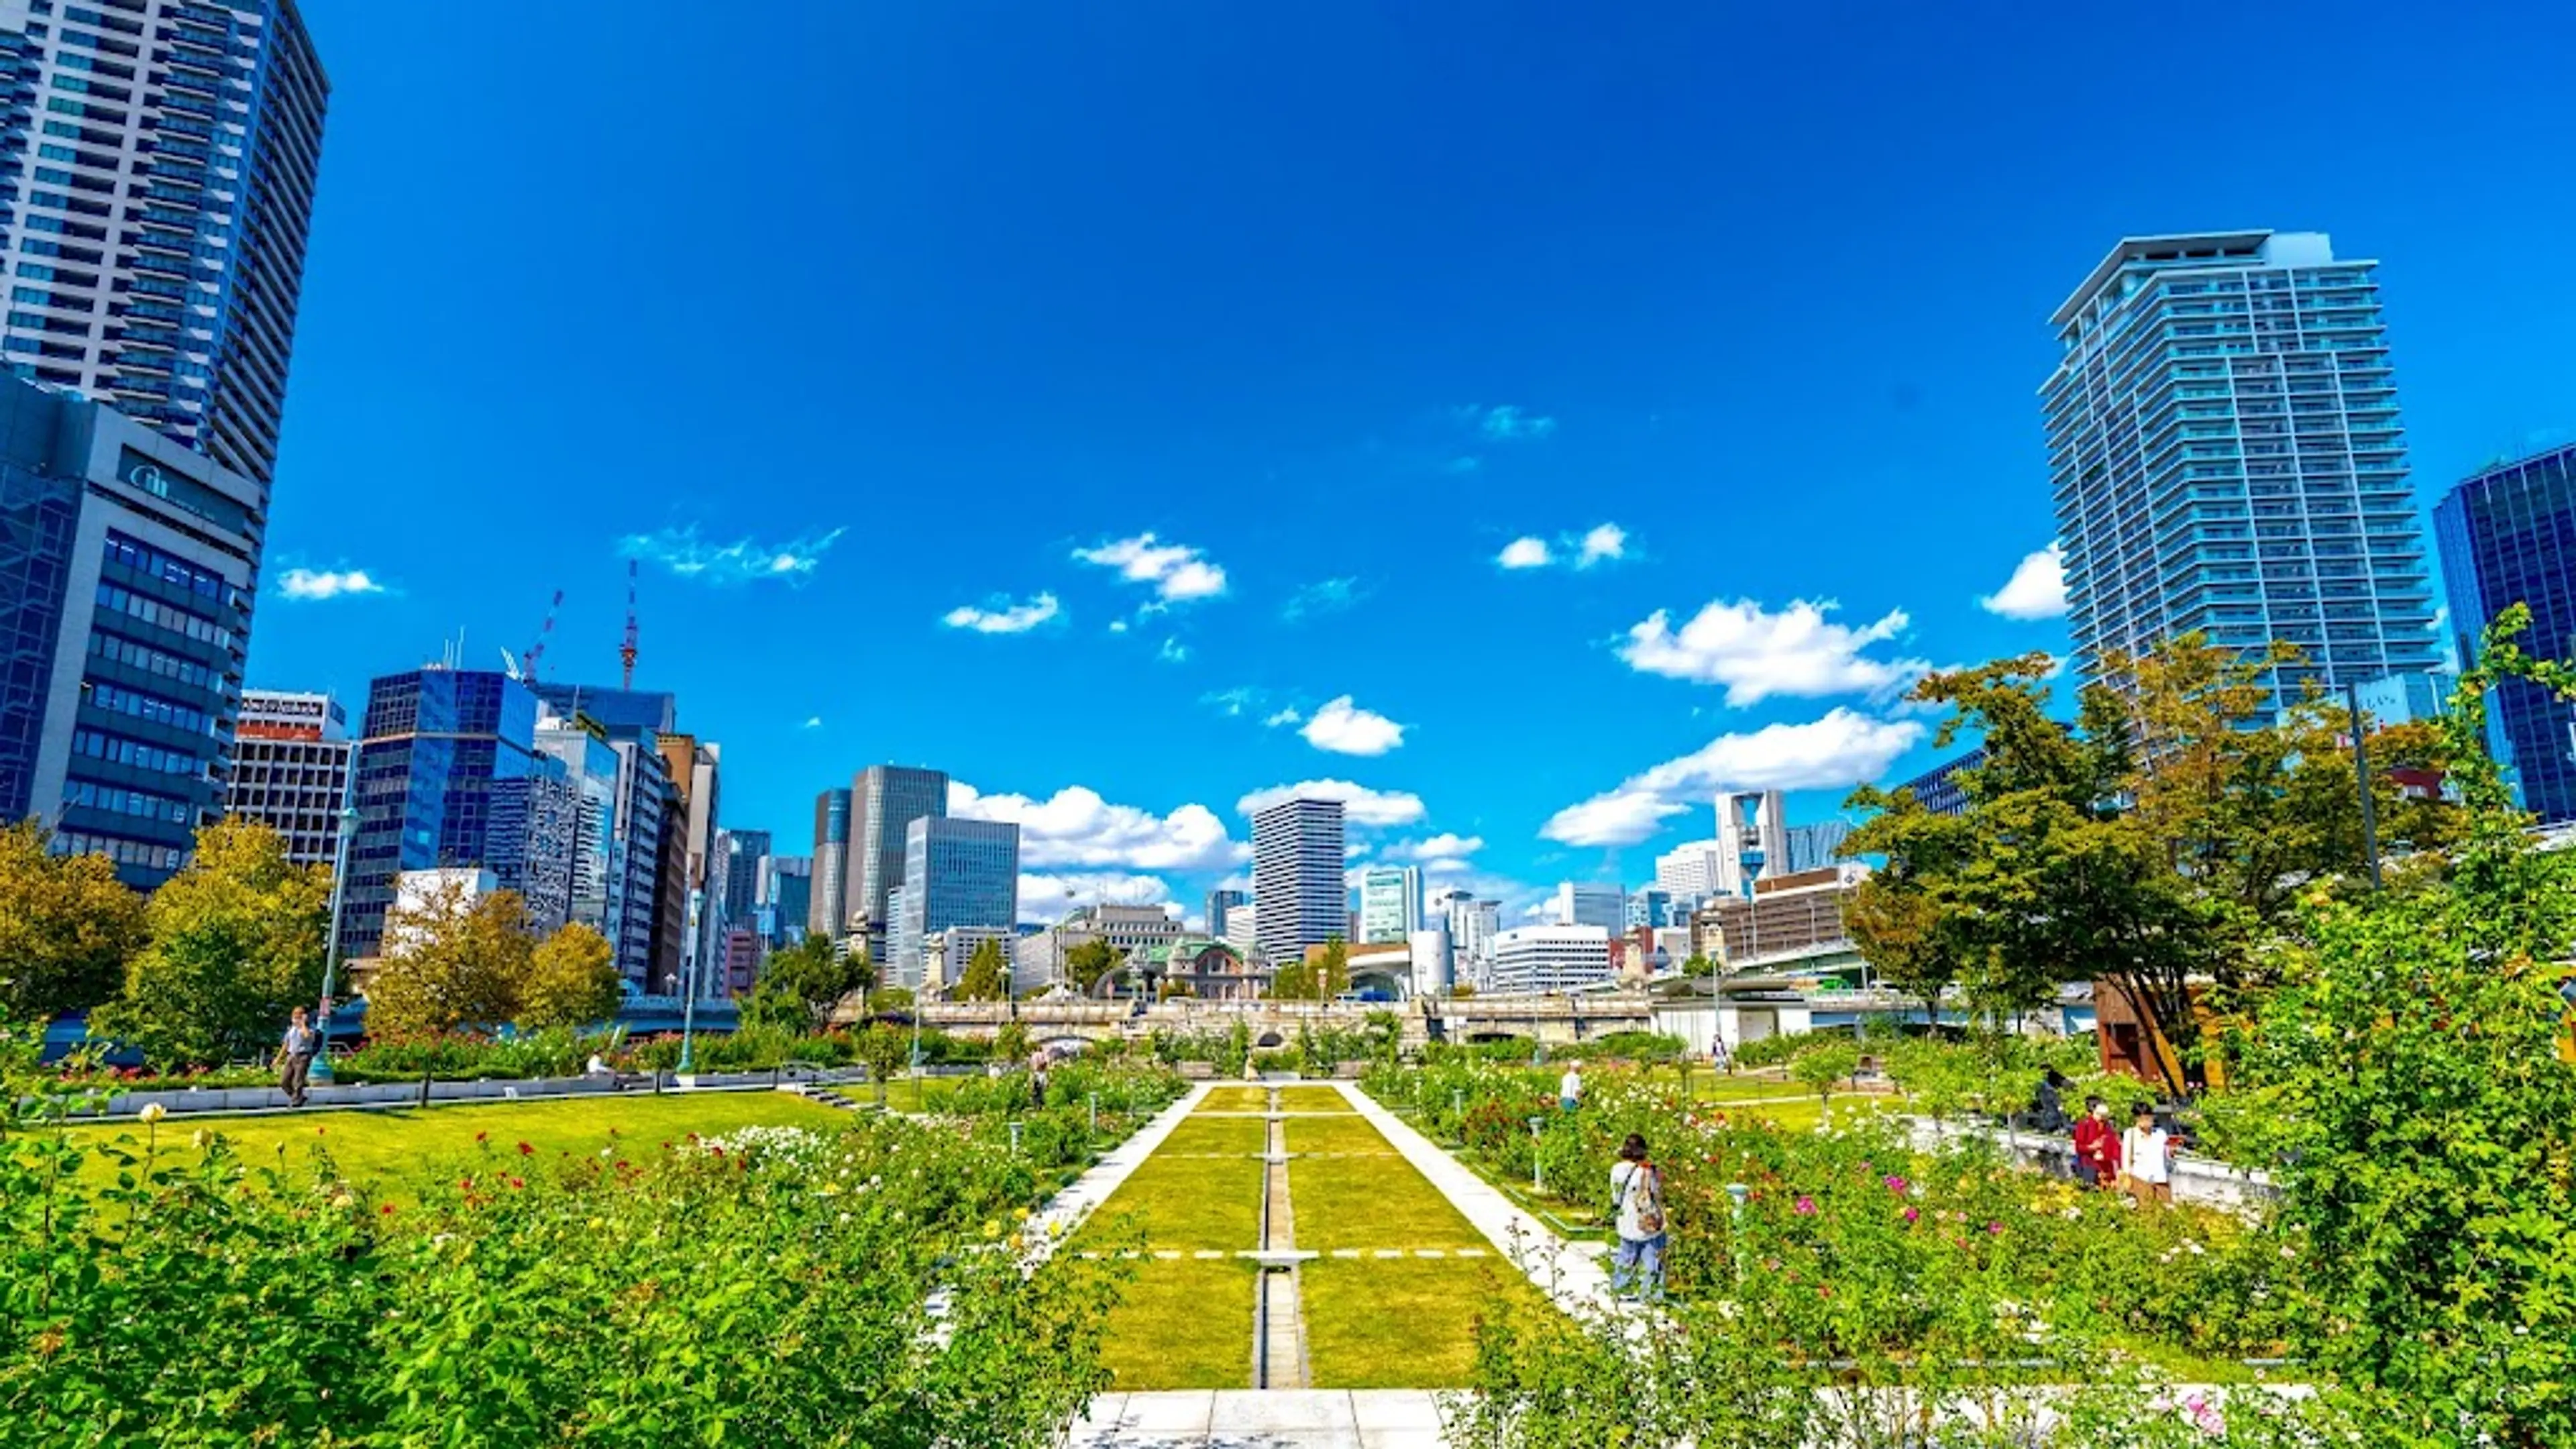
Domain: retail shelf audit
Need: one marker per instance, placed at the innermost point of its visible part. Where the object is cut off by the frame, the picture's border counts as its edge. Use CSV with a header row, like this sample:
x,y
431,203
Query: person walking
x,y
299,1044
1569,1088
1637,1205
2048,1104
2147,1151
2097,1146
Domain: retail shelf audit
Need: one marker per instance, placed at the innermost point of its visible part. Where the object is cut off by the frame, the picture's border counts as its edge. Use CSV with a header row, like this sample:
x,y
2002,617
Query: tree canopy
x,y
572,981
237,939
67,926
802,984
987,976
1322,978
456,960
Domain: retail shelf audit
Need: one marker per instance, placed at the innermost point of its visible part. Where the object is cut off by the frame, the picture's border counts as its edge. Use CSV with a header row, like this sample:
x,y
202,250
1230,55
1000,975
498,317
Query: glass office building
x,y
956,872
158,160
2224,446
2508,536
884,801
827,909
449,774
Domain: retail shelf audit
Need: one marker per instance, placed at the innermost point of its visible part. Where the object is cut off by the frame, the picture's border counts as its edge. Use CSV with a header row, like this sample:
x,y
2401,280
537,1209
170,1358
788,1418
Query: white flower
x,y
153,1112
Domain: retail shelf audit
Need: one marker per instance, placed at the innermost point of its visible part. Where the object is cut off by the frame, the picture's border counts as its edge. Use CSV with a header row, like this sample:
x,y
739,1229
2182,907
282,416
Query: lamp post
x,y
2361,767
321,1071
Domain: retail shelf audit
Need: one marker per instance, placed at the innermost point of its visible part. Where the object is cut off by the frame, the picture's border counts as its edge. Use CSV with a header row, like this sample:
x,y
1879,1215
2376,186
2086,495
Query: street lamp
x,y
321,1070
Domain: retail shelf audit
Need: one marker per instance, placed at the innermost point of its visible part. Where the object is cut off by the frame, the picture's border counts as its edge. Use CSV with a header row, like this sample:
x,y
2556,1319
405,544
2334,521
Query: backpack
x,y
1650,1212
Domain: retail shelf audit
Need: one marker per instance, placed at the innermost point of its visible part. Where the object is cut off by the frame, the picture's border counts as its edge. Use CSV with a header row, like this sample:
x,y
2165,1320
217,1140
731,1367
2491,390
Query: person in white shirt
x,y
1569,1091
1637,1203
2146,1151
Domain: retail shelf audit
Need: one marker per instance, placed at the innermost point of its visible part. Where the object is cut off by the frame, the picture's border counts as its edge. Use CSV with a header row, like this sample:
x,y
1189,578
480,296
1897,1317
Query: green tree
x,y
1011,1043
455,960
2415,1089
1087,964
801,985
1821,1067
67,926
1324,976
883,1050
236,941
987,976
1900,915
572,981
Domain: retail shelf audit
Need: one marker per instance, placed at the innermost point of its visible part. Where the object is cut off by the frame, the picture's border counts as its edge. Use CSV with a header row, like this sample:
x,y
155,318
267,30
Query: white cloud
x,y
1756,653
1176,571
1344,728
1051,896
1281,717
2036,590
310,584
1232,702
1117,626
743,561
1360,804
1445,848
1324,596
1075,826
1526,553
1841,749
813,721
1173,652
1005,618
1605,541
1508,423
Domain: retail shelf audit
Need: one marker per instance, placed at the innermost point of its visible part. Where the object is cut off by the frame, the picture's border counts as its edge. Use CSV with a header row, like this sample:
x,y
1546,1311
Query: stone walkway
x,y
1255,1419
1066,1210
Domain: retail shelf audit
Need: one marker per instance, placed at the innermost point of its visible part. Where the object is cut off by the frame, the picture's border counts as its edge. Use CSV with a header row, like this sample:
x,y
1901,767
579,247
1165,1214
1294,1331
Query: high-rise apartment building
x,y
1390,903
1752,839
2508,536
160,160
1688,871
1220,901
956,872
829,915
128,571
2223,440
884,801
449,776
1578,904
1297,893
291,770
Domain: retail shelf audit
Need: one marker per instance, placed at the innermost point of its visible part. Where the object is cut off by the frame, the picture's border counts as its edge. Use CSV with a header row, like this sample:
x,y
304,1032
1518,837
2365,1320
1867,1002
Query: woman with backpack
x,y
1637,1203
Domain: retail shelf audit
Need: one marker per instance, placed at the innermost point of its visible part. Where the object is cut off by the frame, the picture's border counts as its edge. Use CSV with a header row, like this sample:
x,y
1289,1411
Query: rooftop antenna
x,y
626,650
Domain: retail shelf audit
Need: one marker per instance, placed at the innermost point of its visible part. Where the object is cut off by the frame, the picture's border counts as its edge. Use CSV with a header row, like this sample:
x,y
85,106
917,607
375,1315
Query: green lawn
x,y
388,1148
1236,1099
1188,1203
1371,1202
1314,1099
1336,1134
1239,1136
1407,1323
1185,1325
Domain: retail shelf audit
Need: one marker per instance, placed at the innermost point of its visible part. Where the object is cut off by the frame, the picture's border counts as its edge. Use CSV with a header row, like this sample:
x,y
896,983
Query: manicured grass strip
x,y
1314,1099
1403,1323
1236,1099
1247,1136
1372,1202
1185,1325
1334,1134
1186,1203
389,1149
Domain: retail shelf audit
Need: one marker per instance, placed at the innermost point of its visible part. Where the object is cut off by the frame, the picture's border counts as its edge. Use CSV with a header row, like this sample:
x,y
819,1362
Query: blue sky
x,y
1131,408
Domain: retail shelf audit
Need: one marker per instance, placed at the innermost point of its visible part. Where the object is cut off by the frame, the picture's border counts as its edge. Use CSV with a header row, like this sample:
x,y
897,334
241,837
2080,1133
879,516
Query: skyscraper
x,y
127,572
746,865
829,913
1219,901
1688,870
1812,847
695,766
291,770
156,256
450,776
884,801
786,897
1390,903
598,866
956,872
1752,839
2223,439
1605,906
2508,536
1298,898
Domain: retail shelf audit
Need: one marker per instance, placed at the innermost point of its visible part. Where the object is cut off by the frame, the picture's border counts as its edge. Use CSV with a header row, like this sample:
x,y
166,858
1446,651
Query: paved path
x,y
1257,1419
1065,1211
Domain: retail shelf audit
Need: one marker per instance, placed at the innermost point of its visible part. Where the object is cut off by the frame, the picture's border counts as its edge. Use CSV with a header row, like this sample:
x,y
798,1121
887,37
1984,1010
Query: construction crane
x,y
626,651
537,651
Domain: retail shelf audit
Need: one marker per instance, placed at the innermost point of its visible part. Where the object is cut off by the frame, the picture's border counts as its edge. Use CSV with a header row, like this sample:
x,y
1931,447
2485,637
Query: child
x,y
2148,1151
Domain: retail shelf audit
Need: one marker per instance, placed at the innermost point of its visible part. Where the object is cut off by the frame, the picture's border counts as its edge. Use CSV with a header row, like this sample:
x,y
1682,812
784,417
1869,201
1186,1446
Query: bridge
x,y
1552,1020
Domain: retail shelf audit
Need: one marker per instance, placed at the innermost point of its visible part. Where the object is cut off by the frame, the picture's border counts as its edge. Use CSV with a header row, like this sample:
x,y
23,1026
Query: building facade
x,y
1219,901
449,777
1688,871
1532,959
1788,917
291,770
1752,838
1813,847
2508,536
1472,926
1943,789
590,762
156,241
1298,896
787,896
1651,908
1577,904
830,913
884,801
1390,903
2224,445
956,873
129,568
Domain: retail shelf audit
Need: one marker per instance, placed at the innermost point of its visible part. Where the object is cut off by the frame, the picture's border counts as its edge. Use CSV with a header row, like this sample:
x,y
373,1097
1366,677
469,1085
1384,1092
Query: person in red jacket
x,y
2097,1146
